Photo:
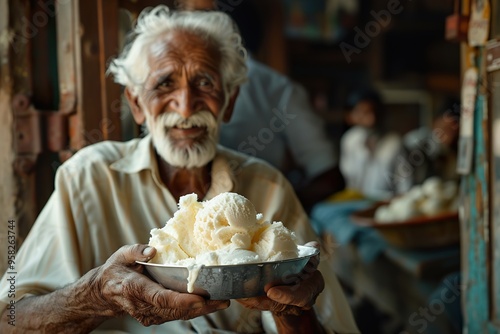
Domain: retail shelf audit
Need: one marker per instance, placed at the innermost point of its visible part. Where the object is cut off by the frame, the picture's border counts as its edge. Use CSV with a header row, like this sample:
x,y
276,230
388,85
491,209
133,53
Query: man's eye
x,y
205,84
165,84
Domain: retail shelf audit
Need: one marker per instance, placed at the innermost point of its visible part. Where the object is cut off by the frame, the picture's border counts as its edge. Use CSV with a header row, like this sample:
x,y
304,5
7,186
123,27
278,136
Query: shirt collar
x,y
223,179
143,157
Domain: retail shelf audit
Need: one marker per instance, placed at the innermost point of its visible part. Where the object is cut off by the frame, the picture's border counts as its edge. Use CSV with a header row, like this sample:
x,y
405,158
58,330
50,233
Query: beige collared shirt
x,y
110,194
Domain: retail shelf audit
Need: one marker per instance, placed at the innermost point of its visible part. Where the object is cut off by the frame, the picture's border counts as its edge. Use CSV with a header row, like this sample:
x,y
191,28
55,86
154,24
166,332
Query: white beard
x,y
199,154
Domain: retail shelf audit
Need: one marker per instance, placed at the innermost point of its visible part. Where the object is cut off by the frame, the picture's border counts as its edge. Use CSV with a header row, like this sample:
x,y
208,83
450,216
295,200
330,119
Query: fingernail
x,y
198,305
222,306
148,251
276,294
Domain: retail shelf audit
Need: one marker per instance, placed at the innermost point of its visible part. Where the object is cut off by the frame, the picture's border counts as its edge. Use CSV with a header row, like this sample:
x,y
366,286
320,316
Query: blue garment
x,y
334,218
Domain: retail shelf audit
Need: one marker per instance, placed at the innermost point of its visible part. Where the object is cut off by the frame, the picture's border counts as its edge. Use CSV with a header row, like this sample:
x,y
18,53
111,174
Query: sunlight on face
x,y
199,153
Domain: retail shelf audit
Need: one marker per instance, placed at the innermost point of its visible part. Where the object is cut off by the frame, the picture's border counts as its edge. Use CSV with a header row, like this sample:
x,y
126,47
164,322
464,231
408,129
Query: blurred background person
x,y
368,150
274,119
430,151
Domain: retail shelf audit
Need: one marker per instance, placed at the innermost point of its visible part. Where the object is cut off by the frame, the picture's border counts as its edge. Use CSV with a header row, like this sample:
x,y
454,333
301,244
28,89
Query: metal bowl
x,y
232,281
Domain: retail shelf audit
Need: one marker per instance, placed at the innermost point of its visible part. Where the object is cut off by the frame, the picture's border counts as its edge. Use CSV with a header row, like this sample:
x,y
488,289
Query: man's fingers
x,y
127,255
302,295
164,298
156,295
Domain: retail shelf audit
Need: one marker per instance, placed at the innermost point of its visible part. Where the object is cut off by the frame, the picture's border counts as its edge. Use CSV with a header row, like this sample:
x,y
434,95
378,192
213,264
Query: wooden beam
x,y
108,46
9,186
66,39
89,108
17,194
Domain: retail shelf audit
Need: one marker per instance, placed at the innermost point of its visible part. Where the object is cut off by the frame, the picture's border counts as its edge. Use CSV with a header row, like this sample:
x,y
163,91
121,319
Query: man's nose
x,y
185,102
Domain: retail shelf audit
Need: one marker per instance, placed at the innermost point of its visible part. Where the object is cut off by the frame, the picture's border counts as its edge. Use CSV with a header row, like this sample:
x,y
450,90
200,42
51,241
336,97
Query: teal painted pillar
x,y
475,223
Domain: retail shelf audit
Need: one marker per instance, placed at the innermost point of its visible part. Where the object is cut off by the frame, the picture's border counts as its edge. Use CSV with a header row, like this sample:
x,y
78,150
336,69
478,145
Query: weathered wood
x,y
474,223
108,44
481,202
7,180
494,84
88,73
66,38
475,219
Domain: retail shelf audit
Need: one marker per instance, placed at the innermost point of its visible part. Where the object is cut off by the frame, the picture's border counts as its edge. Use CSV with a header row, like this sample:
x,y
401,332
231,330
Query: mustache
x,y
199,119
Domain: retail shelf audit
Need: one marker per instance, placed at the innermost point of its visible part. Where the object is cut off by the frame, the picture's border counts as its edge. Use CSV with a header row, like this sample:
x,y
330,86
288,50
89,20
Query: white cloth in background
x,y
370,173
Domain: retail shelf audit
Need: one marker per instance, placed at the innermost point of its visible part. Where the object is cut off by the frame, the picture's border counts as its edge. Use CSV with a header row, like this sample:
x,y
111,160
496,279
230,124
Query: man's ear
x,y
230,106
136,109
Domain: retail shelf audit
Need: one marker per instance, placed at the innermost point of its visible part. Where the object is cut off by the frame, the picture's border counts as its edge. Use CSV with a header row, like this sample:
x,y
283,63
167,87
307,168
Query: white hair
x,y
131,68
200,153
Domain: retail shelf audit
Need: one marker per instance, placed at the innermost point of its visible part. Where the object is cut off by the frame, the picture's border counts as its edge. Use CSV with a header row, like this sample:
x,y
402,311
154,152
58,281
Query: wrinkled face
x,y
183,99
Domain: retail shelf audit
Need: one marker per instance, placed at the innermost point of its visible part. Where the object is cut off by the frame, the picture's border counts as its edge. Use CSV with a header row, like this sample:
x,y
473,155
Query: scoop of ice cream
x,y
224,230
227,220
433,206
167,247
383,214
403,208
431,198
432,186
177,235
276,242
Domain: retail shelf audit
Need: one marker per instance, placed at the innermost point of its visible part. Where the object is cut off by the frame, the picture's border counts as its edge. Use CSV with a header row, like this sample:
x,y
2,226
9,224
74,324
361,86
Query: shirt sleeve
x,y
46,260
306,134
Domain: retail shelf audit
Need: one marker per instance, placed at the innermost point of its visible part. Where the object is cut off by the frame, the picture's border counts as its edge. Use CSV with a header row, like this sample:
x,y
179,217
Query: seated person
x,y
76,270
368,150
274,120
429,151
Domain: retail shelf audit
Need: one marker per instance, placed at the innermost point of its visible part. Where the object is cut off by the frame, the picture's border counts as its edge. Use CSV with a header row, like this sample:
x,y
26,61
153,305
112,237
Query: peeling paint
x,y
479,198
479,298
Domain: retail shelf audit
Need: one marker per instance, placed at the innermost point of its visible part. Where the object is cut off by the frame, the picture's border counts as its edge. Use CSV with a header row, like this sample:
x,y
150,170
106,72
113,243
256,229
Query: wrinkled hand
x,y
291,299
119,286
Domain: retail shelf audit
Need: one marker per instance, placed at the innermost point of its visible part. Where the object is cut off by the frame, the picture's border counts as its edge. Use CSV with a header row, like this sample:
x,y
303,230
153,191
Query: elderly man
x,y
181,73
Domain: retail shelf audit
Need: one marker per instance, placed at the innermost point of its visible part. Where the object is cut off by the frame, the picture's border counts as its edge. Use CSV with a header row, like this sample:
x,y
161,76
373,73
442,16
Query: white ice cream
x,y
432,198
222,231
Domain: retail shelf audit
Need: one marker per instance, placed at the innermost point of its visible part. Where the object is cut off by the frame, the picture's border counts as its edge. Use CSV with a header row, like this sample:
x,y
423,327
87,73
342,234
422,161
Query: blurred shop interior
x,y
415,54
